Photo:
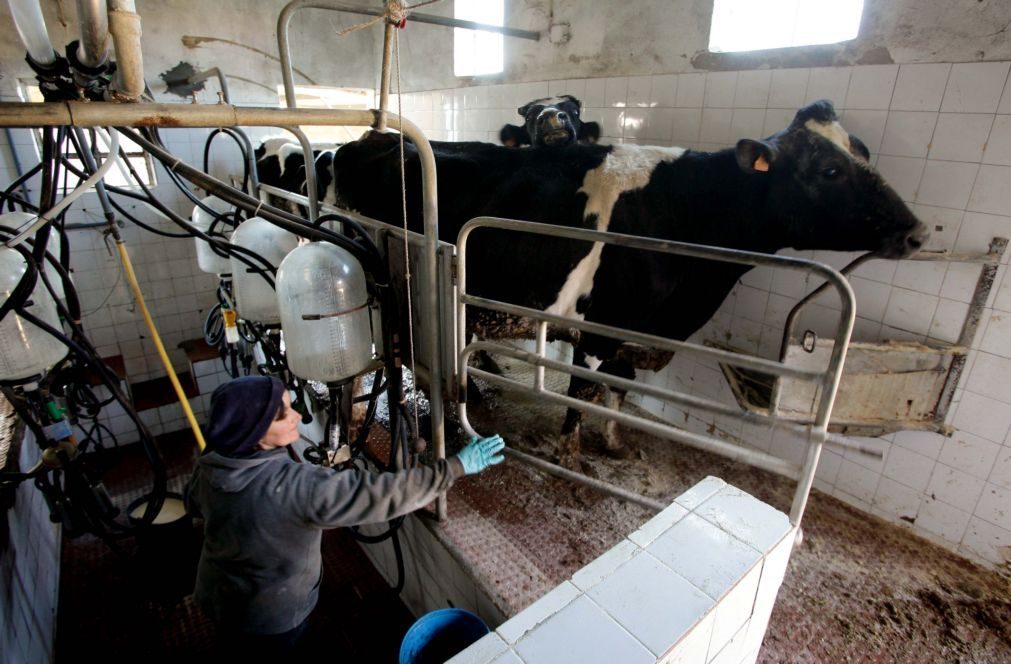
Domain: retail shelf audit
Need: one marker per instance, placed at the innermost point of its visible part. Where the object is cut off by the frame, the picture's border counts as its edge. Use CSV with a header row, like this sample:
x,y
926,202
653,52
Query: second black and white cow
x,y
553,121
807,187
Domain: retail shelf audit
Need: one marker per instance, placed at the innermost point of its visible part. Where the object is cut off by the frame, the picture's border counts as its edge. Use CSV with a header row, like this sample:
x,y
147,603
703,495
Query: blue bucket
x,y
439,635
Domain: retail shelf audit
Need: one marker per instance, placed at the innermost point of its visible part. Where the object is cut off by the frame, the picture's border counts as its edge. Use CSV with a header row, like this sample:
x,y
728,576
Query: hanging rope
x,y
407,254
396,13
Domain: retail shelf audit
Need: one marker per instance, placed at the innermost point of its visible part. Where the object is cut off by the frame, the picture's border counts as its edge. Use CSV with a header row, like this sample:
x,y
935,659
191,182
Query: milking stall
x,y
569,330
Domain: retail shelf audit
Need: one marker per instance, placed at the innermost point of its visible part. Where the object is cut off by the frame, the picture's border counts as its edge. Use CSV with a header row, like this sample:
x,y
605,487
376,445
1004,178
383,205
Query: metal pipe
x,y
202,76
31,27
572,476
16,162
384,83
284,19
124,26
93,49
310,171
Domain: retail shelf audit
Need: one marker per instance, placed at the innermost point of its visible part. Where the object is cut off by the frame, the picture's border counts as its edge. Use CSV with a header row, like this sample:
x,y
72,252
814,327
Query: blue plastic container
x,y
439,635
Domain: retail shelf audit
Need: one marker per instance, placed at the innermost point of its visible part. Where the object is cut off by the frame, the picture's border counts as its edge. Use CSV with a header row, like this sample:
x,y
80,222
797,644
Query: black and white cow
x,y
280,162
553,121
807,187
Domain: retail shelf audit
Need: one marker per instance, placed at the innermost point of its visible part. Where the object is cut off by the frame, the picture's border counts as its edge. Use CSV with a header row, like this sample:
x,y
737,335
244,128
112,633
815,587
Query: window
x,y
117,176
754,25
475,52
321,96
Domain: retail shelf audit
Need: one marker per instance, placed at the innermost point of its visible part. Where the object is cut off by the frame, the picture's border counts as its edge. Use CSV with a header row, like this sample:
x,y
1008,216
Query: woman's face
x,y
284,429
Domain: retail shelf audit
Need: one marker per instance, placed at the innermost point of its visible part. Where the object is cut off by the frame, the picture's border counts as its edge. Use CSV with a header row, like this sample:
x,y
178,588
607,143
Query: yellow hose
x,y
132,278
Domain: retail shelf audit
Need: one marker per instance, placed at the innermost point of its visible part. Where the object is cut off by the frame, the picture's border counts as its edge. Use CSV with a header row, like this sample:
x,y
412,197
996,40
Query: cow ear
x,y
755,156
858,149
589,132
522,110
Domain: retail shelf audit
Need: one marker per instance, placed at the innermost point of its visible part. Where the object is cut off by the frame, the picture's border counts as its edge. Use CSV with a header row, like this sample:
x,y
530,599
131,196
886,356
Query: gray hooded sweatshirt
x,y
261,564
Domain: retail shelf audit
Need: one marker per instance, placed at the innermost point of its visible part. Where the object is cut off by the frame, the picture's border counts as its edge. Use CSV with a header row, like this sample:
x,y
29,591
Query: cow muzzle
x,y
555,127
906,243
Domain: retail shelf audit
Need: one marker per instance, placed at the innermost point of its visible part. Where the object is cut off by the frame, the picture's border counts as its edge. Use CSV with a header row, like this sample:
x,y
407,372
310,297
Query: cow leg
x,y
579,388
613,399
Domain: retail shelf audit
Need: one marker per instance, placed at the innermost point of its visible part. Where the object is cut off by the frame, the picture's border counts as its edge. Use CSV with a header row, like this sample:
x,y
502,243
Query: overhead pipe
x,y
124,26
93,49
31,27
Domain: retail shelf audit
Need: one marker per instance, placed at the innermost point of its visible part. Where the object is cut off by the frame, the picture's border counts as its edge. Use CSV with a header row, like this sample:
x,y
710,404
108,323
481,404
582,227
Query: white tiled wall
x,y
29,573
941,135
696,583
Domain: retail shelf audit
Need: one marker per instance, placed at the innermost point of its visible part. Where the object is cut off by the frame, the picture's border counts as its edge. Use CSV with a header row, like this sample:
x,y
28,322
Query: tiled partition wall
x,y
941,135
696,583
29,569
177,293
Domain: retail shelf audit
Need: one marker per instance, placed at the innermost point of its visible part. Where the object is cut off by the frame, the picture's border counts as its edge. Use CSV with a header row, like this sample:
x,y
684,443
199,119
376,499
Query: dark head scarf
x,y
241,413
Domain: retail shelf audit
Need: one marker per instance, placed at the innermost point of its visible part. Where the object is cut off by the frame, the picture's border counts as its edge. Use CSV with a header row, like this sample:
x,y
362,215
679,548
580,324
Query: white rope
x,y
407,255
396,13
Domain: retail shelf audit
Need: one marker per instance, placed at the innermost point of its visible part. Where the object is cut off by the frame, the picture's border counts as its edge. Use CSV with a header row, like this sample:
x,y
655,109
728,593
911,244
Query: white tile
x,y
653,528
638,95
948,320
735,609
752,89
908,133
686,125
989,542
659,124
716,125
638,595
507,658
942,520
997,335
633,121
745,517
955,487
868,126
700,493
921,276
777,119
992,192
787,88
947,183
977,229
960,136
694,646
747,123
720,88
975,87
615,92
995,506
960,282
828,467
733,651
902,174
550,604
896,499
910,311
998,146
663,91
859,482
920,87
908,467
704,554
989,375
691,90
1001,472
877,270
983,416
605,564
582,632
871,87
484,650
612,122
828,83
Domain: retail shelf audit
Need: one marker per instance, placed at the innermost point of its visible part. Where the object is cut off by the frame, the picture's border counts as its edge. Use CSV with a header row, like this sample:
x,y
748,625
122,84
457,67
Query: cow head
x,y
552,121
824,192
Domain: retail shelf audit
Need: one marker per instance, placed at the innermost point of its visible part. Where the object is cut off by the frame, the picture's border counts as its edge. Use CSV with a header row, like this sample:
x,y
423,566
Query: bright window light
x,y
754,25
321,96
476,52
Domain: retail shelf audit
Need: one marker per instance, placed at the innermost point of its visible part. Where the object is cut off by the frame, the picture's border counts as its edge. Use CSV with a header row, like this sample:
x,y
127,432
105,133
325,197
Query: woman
x,y
264,513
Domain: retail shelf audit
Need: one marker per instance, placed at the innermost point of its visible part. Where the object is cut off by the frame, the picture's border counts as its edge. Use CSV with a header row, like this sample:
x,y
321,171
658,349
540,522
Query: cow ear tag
x,y
761,164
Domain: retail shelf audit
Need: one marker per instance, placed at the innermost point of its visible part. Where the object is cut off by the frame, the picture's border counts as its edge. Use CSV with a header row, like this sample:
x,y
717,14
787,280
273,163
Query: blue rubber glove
x,y
481,453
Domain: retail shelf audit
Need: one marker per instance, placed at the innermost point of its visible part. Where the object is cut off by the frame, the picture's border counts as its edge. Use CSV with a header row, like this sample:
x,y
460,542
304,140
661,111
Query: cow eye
x,y
830,173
